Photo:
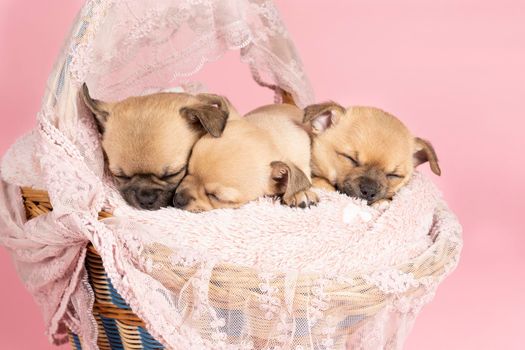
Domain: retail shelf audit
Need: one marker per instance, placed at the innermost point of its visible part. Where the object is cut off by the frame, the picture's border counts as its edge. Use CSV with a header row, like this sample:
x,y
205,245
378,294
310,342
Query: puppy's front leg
x,y
294,186
301,199
323,184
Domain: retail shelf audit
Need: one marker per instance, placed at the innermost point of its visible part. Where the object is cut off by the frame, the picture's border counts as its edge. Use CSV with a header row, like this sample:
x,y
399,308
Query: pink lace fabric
x,y
124,48
150,44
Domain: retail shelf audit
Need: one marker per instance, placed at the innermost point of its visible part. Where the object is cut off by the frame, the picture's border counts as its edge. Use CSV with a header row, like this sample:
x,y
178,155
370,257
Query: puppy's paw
x,y
301,199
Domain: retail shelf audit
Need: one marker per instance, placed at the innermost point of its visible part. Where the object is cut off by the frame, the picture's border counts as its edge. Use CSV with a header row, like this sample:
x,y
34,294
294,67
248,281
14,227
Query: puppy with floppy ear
x,y
265,154
147,140
363,151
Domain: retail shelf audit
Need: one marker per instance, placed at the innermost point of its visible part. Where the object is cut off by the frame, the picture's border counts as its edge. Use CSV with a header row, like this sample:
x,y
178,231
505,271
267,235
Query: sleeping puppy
x,y
363,152
147,140
267,153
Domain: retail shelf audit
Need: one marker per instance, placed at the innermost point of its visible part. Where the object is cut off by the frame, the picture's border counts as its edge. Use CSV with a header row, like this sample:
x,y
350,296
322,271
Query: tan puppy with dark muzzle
x,y
147,140
267,153
363,152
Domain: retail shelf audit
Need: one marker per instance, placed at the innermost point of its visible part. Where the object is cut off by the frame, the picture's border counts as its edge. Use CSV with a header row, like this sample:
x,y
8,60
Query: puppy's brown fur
x,y
147,140
363,151
265,153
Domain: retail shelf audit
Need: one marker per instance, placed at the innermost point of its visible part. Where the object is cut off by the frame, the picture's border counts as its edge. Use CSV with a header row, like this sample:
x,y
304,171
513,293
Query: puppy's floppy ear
x,y
322,116
210,114
288,179
98,108
424,152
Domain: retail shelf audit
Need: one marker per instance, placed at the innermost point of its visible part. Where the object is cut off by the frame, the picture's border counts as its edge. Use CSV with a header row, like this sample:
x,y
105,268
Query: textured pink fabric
x,y
49,259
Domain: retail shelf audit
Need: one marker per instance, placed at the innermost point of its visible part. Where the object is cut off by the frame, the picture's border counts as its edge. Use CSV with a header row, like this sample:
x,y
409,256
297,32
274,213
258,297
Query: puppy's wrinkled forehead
x,y
147,134
376,136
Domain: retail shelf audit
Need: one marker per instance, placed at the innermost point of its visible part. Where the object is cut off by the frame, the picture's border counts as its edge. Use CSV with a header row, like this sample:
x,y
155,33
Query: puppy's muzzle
x,y
363,187
180,200
369,189
147,198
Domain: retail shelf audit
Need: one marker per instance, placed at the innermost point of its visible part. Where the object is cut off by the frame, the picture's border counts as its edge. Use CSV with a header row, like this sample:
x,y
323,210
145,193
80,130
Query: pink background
x,y
453,70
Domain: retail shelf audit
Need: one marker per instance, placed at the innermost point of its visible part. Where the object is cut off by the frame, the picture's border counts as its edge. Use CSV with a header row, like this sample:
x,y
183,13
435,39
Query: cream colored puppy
x,y
147,140
363,151
267,153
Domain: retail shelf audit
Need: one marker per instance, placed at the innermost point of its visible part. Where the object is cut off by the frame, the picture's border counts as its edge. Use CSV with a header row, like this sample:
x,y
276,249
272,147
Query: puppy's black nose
x,y
368,188
147,198
180,200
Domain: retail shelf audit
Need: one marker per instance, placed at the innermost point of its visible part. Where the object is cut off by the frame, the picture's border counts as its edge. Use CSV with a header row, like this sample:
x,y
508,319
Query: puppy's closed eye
x,y
122,177
213,197
394,176
354,160
170,175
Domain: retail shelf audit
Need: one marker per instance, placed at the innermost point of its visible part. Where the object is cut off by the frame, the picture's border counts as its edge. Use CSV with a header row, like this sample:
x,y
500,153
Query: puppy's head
x,y
364,152
240,166
147,140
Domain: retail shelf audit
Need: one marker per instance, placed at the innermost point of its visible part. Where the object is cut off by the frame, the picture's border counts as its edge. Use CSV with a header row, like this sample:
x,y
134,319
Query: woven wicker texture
x,y
118,326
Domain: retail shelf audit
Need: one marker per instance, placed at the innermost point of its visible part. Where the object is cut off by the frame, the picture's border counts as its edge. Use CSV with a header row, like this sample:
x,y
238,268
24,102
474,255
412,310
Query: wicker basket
x,y
120,328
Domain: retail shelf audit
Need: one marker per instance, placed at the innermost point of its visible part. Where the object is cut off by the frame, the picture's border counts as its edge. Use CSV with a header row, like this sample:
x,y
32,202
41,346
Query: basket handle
x,y
287,98
281,95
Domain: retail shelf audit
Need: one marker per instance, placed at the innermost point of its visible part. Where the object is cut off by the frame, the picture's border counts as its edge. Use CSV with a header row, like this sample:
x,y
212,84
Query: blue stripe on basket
x,y
234,321
112,333
116,298
76,341
351,320
302,327
147,340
